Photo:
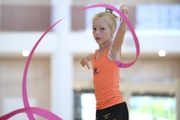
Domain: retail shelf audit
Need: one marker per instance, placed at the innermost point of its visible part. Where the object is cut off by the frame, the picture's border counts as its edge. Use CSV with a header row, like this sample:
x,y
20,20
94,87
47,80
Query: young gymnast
x,y
110,104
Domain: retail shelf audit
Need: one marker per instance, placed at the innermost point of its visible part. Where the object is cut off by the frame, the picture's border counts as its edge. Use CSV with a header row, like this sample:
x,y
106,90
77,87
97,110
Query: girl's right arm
x,y
119,38
86,59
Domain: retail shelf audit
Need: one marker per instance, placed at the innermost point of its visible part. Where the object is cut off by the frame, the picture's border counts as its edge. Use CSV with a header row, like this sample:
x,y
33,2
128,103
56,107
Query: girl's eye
x,y
102,28
94,29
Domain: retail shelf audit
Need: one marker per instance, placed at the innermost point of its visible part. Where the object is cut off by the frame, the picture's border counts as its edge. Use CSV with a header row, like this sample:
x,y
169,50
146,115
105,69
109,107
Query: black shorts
x,y
116,112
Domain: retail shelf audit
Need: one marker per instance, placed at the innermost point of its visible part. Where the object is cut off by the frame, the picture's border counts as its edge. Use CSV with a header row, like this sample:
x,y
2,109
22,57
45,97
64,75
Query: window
x,y
151,107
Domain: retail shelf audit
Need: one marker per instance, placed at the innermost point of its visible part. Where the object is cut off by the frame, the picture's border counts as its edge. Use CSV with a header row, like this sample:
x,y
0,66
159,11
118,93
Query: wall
x,y
149,69
38,83
25,2
128,2
151,41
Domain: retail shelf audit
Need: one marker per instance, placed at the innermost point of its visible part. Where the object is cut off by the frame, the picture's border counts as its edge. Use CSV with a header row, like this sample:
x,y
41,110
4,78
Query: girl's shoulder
x,y
95,51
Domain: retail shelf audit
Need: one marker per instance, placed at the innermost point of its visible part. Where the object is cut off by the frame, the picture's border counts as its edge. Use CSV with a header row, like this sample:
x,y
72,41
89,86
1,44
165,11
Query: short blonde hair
x,y
110,18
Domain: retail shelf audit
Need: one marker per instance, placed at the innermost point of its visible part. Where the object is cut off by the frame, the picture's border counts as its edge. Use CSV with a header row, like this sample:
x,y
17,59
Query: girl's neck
x,y
105,45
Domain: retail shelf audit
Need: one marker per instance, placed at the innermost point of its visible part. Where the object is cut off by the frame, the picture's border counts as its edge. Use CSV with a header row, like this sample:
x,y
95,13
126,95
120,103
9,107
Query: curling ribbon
x,y
45,113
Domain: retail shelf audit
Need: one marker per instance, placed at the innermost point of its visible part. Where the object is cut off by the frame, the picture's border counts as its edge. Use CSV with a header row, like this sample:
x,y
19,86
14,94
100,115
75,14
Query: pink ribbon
x,y
45,113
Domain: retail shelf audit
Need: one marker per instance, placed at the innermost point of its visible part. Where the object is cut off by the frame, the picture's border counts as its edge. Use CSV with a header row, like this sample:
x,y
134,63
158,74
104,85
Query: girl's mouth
x,y
98,38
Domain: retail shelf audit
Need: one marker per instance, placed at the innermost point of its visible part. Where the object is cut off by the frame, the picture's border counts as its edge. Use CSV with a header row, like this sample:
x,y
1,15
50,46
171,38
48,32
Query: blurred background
x,y
57,82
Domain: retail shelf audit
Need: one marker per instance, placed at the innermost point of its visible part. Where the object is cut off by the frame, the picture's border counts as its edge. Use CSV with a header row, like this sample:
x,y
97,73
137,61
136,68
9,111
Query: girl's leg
x,y
123,112
98,116
117,112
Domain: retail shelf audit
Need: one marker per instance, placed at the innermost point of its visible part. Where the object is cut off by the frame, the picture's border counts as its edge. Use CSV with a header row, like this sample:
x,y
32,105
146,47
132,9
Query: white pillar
x,y
62,64
178,98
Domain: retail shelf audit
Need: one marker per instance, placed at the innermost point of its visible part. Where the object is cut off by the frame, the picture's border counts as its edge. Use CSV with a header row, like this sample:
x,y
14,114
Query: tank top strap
x,y
95,53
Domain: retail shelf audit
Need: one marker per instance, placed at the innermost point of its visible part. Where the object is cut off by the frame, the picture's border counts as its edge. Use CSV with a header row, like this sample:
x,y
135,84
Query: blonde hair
x,y
110,18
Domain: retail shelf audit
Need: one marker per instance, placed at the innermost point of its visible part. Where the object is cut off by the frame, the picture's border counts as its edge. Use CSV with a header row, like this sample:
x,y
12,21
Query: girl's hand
x,y
84,62
125,10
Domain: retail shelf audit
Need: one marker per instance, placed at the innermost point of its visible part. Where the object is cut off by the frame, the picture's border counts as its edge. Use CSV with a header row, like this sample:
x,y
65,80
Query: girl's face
x,y
101,31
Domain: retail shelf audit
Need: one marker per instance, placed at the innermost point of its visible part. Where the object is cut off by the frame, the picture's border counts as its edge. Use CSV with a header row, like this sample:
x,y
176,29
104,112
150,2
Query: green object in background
x,y
152,108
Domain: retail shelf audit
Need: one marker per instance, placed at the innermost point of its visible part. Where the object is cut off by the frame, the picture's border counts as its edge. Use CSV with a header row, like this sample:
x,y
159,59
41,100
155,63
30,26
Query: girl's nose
x,y
97,32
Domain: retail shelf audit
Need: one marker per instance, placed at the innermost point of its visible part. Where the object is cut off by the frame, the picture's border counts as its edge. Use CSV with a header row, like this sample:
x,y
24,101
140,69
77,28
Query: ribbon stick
x,y
45,113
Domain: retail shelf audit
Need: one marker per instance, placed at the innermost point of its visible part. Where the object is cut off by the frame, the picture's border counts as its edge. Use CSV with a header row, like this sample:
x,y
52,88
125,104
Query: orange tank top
x,y
106,80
